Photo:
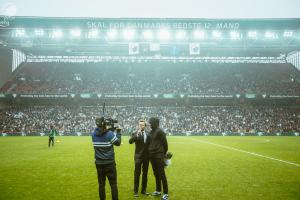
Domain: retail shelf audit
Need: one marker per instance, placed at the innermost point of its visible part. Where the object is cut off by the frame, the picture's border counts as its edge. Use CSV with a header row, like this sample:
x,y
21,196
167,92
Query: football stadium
x,y
226,93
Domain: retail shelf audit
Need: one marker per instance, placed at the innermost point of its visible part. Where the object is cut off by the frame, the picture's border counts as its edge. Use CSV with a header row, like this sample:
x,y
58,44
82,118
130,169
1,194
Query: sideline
x,y
248,152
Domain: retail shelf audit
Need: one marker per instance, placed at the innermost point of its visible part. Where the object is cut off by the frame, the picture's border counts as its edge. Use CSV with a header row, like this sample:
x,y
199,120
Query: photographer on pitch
x,y
158,147
104,139
141,157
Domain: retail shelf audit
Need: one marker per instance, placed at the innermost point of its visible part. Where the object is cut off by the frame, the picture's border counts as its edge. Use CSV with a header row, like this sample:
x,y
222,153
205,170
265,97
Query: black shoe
x,y
145,193
136,194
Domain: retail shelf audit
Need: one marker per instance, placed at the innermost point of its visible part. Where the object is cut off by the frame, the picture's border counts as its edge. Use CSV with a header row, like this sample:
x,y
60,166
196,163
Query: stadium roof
x,y
149,23
113,36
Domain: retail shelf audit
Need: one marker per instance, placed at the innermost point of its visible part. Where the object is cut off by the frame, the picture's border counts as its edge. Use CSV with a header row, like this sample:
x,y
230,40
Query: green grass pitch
x,y
200,170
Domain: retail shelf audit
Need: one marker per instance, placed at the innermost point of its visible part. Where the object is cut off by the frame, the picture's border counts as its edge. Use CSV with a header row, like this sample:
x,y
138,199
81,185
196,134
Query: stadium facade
x,y
180,63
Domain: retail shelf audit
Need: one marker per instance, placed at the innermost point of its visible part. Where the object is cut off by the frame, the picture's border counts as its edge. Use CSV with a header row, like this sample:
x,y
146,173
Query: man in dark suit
x,y
140,138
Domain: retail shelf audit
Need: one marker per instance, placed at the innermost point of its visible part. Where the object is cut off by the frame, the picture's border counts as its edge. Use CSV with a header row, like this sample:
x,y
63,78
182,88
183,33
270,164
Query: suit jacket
x,y
141,147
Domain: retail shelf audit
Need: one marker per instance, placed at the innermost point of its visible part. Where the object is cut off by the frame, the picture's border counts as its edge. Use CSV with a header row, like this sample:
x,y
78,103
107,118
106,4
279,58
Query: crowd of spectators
x,y
175,120
152,78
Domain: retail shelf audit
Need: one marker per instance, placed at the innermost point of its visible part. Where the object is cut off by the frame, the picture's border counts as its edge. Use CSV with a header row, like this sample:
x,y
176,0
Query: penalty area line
x,y
247,152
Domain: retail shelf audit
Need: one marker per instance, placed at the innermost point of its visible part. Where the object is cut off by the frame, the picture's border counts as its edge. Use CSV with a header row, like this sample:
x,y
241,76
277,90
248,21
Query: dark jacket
x,y
103,146
158,145
141,148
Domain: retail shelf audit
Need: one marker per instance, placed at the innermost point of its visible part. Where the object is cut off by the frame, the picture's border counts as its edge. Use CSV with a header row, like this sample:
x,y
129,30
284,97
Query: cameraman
x,y
103,141
141,157
158,147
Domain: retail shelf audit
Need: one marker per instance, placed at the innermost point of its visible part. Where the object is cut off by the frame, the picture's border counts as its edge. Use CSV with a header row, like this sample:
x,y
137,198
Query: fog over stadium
x,y
153,9
180,100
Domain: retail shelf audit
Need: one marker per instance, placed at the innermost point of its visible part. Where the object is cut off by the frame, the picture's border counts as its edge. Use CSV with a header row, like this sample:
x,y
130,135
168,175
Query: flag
x,y
133,48
194,48
154,47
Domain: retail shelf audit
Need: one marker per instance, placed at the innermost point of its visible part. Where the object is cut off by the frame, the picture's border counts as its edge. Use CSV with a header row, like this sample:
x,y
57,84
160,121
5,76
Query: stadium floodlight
x,y
234,35
20,32
112,34
148,35
217,34
181,35
57,33
39,32
252,34
92,33
198,34
270,35
128,34
287,34
75,33
164,34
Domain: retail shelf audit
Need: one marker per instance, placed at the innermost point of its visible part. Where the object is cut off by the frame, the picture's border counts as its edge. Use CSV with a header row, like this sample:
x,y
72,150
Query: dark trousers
x,y
51,139
141,164
109,171
158,167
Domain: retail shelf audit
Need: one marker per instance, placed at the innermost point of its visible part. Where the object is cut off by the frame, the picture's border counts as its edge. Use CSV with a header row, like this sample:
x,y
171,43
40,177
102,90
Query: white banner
x,y
154,47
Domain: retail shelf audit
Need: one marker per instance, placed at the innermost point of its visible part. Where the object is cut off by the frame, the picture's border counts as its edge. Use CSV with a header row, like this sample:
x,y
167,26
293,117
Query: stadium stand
x,y
175,120
152,78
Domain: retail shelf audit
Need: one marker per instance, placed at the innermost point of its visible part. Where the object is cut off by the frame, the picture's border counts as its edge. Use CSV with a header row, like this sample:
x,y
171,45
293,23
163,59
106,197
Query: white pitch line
x,y
251,153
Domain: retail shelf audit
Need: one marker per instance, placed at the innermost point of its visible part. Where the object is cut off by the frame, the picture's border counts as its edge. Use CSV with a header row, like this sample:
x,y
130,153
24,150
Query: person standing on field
x,y
52,133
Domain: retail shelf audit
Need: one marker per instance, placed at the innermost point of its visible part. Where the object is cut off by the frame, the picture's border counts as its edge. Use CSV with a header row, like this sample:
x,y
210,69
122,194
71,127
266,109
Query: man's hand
x,y
139,132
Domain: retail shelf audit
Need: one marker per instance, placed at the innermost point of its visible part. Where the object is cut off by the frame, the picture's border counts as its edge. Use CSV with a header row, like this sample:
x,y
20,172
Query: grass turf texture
x,y
30,170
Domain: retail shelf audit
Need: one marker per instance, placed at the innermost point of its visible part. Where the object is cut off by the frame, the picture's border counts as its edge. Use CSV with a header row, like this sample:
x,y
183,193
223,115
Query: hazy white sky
x,y
153,8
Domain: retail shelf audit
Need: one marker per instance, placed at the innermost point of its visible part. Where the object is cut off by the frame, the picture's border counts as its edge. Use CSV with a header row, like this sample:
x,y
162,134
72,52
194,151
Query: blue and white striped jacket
x,y
104,146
